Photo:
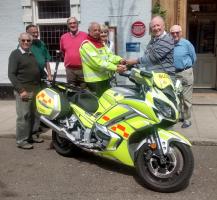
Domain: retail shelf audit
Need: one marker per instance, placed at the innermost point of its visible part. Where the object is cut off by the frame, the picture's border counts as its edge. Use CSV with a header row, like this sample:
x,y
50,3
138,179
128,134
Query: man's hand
x,y
121,68
24,95
123,61
49,77
132,61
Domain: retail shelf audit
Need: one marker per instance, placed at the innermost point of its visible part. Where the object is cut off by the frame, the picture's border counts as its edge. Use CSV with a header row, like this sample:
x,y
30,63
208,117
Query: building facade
x,y
129,27
198,19
51,16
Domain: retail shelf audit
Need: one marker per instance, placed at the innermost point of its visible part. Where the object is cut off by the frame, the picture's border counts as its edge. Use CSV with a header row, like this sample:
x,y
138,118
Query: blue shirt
x,y
184,54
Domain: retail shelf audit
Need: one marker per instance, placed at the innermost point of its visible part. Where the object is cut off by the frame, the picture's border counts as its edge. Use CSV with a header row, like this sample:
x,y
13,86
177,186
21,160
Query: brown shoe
x,y
25,146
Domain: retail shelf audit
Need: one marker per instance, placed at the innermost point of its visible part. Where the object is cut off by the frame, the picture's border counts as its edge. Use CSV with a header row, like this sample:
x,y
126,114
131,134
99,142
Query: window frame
x,y
53,21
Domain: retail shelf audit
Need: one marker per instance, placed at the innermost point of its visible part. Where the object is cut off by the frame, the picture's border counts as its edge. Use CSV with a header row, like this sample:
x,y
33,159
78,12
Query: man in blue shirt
x,y
184,59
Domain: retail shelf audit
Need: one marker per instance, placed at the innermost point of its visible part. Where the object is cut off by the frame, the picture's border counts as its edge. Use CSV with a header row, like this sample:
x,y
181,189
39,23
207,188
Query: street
x,y
42,174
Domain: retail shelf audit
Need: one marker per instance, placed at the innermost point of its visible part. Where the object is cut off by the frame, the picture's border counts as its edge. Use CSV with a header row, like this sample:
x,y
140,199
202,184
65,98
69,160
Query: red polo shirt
x,y
69,45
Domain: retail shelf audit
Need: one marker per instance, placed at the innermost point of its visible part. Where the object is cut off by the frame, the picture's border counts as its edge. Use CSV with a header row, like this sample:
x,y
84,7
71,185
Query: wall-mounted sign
x,y
133,47
138,29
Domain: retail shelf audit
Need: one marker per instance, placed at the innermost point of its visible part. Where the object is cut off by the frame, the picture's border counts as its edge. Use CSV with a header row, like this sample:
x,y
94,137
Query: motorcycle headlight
x,y
164,109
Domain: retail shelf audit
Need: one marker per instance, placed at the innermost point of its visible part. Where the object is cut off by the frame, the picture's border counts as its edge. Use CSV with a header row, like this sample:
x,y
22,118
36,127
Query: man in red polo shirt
x,y
70,43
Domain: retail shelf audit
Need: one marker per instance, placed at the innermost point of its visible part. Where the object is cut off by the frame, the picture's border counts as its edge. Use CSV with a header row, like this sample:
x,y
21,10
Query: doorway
x,y
202,32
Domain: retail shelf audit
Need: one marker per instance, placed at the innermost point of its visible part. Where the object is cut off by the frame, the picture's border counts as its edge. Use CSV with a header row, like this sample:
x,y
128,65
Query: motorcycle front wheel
x,y
63,146
170,177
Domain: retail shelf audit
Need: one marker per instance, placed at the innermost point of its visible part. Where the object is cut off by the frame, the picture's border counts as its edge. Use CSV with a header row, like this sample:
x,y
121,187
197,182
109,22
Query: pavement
x,y
203,130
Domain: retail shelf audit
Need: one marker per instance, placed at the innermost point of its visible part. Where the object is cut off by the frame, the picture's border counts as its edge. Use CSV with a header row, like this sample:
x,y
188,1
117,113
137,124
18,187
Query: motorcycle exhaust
x,y
61,131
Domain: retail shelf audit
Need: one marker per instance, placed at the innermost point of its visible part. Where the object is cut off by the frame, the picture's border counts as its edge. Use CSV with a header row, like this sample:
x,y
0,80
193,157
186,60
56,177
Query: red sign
x,y
138,29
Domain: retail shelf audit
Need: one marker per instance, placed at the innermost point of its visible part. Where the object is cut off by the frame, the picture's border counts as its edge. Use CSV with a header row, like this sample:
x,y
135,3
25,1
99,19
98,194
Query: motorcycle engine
x,y
102,135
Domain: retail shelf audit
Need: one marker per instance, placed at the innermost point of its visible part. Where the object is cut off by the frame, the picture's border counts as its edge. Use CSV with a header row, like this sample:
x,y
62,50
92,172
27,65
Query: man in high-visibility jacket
x,y
98,62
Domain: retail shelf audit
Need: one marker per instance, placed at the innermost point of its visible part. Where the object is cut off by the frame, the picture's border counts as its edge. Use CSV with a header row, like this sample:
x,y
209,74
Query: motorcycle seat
x,y
86,101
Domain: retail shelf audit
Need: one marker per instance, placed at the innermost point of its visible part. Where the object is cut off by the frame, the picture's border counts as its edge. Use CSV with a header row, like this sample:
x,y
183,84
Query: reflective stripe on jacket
x,y
97,63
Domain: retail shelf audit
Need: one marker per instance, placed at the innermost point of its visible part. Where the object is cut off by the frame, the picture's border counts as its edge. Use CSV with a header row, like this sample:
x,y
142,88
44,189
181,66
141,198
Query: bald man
x,y
98,61
158,55
184,59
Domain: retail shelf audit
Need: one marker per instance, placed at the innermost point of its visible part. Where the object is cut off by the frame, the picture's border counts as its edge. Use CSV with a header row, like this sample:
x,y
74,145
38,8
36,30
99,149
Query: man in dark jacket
x,y
24,75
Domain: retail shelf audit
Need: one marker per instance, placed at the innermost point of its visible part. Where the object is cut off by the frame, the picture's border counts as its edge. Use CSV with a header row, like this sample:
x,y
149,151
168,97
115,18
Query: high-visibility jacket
x,y
97,62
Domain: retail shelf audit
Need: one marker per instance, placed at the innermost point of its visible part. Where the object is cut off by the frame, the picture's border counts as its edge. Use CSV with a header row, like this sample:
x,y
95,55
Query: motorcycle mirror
x,y
146,74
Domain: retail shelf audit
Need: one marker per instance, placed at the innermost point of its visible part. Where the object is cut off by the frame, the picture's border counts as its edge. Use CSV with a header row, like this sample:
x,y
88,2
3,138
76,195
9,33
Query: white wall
x,y
119,13
10,27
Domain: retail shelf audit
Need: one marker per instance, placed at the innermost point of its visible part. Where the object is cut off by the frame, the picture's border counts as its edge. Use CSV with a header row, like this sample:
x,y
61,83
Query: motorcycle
x,y
130,126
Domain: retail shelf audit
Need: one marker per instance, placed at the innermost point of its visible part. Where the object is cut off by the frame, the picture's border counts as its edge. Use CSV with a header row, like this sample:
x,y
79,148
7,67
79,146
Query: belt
x,y
74,66
183,69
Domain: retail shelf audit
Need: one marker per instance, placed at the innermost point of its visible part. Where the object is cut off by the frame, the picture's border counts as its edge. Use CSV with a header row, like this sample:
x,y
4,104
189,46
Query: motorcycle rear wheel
x,y
171,177
63,146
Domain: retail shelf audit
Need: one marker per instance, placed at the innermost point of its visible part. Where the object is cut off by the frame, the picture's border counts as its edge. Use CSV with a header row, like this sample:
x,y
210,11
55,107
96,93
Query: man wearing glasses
x,y
24,75
184,58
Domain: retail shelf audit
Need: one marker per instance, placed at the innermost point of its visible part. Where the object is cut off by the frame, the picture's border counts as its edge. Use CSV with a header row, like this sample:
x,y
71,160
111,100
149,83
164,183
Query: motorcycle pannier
x,y
52,104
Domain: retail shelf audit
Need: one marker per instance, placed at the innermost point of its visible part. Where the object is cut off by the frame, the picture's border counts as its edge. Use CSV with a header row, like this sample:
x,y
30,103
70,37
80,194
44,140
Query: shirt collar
x,y
73,34
23,51
161,36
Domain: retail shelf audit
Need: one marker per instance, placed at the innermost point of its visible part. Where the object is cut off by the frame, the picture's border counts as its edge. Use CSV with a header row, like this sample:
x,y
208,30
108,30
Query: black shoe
x,y
186,124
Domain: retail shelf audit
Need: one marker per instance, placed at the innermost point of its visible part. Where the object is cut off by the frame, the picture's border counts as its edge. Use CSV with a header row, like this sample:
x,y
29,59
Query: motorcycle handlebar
x,y
125,74
145,73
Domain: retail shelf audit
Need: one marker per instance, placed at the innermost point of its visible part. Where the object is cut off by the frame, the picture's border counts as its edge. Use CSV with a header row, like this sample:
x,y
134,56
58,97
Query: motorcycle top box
x,y
52,104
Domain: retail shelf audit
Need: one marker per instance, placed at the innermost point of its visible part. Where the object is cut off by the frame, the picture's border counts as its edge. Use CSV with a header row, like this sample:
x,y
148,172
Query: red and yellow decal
x,y
121,129
42,97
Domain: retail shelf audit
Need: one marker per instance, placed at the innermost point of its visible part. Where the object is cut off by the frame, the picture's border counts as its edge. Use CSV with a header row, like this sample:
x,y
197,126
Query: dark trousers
x,y
98,88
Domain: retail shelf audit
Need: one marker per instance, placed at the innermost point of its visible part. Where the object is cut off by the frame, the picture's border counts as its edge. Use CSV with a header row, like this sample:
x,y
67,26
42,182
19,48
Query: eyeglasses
x,y
173,33
23,40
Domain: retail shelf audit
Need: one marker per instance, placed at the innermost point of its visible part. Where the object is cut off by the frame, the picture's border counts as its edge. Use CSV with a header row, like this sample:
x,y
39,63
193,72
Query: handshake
x,y
123,66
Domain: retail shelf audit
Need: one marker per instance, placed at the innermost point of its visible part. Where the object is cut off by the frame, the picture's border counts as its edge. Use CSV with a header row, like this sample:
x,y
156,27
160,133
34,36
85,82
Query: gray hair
x,y
25,34
72,18
93,24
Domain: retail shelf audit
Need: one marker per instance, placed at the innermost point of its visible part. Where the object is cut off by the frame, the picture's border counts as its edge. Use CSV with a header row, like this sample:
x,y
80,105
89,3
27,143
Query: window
x,y
53,9
50,34
202,35
51,17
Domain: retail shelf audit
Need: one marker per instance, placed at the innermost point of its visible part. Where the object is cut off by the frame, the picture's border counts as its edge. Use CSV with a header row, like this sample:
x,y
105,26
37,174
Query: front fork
x,y
159,146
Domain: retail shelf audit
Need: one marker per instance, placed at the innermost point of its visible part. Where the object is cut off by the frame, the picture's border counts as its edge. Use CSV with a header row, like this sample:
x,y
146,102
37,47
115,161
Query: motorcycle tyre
x,y
63,146
173,184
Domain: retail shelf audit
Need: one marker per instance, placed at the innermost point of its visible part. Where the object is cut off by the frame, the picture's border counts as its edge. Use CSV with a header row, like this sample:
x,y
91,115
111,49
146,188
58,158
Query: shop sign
x,y
138,29
133,47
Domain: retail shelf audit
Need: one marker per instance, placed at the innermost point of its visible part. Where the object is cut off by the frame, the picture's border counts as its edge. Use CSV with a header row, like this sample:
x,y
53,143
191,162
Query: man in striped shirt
x,y
158,55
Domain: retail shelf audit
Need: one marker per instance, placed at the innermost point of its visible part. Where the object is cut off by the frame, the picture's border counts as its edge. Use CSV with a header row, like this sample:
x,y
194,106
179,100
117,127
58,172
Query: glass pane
x,y
202,35
53,9
50,34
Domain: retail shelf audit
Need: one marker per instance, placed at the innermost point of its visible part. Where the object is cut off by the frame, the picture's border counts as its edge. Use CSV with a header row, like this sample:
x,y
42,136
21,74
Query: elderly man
x,y
158,55
42,55
24,75
98,61
40,51
184,58
70,43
